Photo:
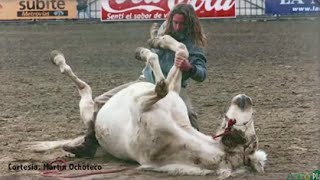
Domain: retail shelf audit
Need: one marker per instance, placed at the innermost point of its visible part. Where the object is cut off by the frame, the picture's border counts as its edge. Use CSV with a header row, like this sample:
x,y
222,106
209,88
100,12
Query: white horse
x,y
149,124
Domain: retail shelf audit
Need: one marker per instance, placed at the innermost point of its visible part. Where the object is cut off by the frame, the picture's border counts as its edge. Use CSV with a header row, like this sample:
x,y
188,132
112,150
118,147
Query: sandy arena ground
x,y
277,63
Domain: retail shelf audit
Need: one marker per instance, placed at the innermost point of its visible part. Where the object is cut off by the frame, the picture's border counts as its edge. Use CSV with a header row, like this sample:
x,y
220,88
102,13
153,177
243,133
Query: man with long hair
x,y
184,15
183,25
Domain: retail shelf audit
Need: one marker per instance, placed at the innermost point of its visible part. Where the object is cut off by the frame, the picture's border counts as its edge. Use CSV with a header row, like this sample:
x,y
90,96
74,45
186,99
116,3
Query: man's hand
x,y
182,63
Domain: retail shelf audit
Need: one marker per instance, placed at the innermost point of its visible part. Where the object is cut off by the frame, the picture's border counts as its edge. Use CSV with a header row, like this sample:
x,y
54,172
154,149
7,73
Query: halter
x,y
227,130
231,123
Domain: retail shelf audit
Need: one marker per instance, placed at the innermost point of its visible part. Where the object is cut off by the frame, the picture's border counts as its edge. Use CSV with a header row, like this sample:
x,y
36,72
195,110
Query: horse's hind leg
x,y
168,42
154,30
87,107
86,103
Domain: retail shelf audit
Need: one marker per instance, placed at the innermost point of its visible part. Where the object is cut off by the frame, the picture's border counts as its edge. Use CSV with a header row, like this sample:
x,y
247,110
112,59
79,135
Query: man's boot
x,y
88,148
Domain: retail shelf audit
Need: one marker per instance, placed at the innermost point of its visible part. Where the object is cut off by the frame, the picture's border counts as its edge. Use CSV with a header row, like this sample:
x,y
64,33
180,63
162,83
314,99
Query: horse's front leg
x,y
161,88
167,42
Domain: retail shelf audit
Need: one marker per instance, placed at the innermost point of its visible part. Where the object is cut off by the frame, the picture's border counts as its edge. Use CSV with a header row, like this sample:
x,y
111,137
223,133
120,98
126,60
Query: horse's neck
x,y
204,145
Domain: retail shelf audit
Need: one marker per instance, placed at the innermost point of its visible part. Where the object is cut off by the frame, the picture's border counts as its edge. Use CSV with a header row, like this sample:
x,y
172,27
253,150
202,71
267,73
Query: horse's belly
x,y
110,137
127,133
115,121
112,127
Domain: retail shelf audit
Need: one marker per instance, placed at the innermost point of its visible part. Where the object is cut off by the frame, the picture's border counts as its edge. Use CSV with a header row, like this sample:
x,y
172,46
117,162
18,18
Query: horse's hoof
x,y
154,30
138,54
161,88
53,54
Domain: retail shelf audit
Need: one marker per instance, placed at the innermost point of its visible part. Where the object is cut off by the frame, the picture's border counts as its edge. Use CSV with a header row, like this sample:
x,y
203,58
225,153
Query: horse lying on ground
x,y
149,124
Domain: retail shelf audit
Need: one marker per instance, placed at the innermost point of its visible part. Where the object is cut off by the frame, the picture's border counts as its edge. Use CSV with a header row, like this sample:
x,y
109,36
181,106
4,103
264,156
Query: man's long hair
x,y
192,23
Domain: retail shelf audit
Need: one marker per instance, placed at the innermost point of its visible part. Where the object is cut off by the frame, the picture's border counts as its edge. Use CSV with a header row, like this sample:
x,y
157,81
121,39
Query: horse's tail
x,y
43,146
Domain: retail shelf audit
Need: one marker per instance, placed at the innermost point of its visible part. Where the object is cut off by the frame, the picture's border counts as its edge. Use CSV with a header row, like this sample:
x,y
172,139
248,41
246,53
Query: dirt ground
x,y
276,63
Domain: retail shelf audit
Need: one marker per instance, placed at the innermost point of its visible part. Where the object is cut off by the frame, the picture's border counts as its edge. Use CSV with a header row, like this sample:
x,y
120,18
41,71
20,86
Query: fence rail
x,y
250,7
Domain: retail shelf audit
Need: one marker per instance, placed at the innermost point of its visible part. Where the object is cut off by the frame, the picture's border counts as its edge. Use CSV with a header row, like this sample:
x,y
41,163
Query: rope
x,y
227,130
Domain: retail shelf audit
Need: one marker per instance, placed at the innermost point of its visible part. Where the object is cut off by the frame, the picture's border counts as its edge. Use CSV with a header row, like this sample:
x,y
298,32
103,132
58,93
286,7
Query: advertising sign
x,y
291,7
128,10
38,9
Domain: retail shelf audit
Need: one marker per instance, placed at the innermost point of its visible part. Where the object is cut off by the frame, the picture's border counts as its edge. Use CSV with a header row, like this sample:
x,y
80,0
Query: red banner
x,y
128,10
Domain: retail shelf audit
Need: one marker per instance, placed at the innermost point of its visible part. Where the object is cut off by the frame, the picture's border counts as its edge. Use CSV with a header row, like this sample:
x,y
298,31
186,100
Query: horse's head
x,y
241,109
237,120
238,137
